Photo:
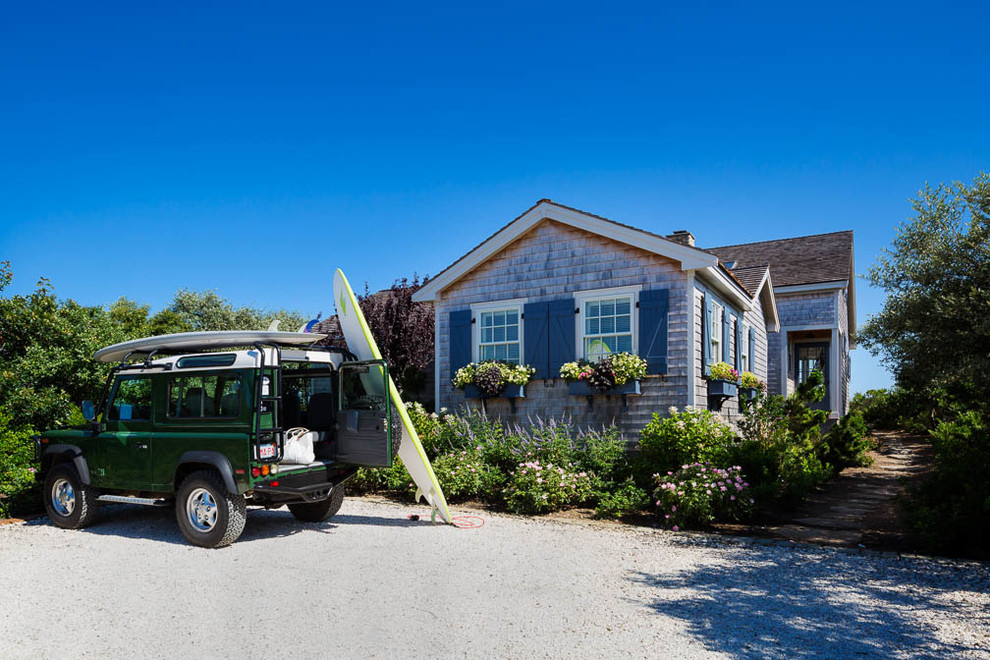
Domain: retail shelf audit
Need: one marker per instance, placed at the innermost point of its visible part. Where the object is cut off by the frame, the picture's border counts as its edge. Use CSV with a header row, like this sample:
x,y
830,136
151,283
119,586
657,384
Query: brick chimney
x,y
682,236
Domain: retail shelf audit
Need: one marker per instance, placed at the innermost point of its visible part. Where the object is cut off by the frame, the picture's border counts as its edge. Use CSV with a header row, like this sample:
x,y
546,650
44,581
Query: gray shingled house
x,y
557,284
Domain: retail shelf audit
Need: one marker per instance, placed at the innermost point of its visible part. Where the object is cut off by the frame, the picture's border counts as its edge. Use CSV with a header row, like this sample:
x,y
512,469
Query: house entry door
x,y
807,358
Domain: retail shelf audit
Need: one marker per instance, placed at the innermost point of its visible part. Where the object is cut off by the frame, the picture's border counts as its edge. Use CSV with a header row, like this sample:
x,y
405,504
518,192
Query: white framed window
x,y
715,339
607,322
497,331
744,357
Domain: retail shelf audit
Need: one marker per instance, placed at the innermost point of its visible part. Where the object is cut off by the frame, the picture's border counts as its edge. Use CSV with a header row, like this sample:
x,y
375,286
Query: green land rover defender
x,y
205,430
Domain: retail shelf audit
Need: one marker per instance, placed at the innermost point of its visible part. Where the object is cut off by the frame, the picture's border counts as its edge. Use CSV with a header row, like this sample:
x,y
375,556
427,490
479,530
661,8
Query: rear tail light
x,y
273,469
256,472
264,470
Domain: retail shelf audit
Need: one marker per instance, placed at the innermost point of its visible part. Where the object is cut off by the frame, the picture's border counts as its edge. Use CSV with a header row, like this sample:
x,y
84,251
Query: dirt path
x,y
860,507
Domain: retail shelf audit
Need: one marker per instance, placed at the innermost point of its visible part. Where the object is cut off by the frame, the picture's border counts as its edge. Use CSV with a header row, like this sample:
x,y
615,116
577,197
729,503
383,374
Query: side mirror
x,y
88,411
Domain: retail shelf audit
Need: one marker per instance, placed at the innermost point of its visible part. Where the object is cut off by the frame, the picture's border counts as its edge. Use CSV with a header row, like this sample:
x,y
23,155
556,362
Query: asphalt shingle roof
x,y
792,261
750,277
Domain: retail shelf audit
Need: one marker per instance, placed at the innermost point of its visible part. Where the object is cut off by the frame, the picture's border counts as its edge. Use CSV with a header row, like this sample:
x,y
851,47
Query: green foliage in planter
x,y
699,494
723,371
750,380
611,370
491,377
682,437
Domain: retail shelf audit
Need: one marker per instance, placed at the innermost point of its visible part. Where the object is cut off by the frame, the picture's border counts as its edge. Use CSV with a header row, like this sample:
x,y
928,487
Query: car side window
x,y
204,396
132,400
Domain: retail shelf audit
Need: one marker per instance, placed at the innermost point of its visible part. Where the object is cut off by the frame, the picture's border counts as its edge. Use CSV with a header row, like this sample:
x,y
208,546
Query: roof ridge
x,y
778,240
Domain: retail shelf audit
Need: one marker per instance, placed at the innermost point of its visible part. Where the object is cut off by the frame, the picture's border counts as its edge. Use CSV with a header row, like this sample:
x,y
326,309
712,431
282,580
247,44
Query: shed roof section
x,y
795,261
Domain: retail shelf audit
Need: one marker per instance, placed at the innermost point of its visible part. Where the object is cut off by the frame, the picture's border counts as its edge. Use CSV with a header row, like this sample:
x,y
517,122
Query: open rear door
x,y
364,433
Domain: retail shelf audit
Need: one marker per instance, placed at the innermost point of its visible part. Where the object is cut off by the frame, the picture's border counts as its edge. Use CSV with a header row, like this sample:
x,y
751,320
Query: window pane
x,y
608,324
230,397
500,352
608,307
511,317
132,400
486,319
513,352
622,306
512,333
591,327
624,343
592,309
487,353
486,335
499,318
622,323
499,333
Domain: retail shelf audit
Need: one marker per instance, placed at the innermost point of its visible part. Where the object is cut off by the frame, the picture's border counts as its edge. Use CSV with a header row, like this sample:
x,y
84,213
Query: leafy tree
x,y
934,328
199,311
46,350
402,329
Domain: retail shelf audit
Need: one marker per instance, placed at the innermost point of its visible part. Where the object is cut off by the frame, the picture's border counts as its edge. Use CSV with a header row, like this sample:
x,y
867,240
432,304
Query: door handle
x,y
141,445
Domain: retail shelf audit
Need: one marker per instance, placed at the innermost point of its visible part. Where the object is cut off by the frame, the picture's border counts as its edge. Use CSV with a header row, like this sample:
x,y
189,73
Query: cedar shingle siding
x,y
557,253
554,261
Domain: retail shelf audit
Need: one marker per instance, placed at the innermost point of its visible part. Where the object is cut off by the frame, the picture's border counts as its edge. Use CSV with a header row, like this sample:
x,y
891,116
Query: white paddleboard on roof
x,y
357,334
195,341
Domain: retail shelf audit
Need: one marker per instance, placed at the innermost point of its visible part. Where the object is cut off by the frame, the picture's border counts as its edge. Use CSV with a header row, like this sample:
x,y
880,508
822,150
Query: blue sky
x,y
253,148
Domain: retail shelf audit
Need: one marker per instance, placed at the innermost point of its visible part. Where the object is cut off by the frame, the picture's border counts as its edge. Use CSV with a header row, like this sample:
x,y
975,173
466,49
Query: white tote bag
x,y
299,446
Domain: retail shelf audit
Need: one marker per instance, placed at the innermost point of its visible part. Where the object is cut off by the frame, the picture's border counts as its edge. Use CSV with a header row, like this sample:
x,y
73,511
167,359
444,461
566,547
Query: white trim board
x,y
818,286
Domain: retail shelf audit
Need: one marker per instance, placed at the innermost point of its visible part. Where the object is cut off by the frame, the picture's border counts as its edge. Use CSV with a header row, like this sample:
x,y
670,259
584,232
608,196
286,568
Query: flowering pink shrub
x,y
462,474
536,487
699,494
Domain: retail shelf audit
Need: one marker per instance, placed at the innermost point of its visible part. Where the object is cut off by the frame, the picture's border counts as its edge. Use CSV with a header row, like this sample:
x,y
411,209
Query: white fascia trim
x,y
689,257
719,281
770,315
809,326
477,308
689,291
819,286
436,362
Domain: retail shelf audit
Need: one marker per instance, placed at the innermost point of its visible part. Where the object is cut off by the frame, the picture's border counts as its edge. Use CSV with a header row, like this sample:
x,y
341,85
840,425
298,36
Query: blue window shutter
x,y
560,335
654,306
460,339
752,350
706,344
535,342
739,343
726,336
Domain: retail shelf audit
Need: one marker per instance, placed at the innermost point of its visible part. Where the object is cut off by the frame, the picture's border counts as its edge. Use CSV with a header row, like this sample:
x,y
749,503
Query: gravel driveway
x,y
372,584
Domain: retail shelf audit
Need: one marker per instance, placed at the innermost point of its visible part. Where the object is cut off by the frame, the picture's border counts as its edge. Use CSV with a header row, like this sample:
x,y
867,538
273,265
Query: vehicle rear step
x,y
123,499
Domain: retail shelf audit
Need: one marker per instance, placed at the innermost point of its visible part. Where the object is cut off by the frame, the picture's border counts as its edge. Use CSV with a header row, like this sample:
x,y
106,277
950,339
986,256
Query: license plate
x,y
266,451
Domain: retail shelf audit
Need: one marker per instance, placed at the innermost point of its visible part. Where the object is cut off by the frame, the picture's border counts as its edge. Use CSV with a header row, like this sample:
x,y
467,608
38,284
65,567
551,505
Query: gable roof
x,y
751,277
690,258
820,261
796,261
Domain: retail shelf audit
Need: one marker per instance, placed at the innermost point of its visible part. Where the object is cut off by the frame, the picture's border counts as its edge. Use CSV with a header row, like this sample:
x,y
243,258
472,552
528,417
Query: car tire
x,y
316,512
208,514
69,502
